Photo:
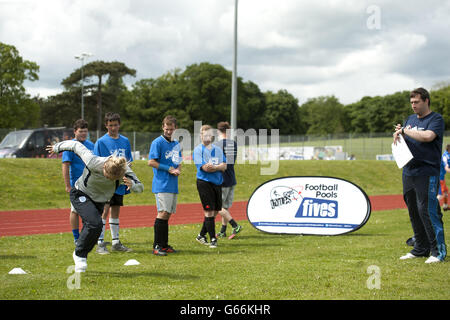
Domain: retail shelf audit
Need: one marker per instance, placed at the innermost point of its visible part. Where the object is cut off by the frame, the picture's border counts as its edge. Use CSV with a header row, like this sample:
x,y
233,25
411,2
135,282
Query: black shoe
x,y
411,241
158,251
213,243
169,249
202,240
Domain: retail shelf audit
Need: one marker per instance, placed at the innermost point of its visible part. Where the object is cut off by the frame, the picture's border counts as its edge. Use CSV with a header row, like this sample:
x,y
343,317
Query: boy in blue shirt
x,y
229,148
445,167
210,162
113,143
165,159
72,169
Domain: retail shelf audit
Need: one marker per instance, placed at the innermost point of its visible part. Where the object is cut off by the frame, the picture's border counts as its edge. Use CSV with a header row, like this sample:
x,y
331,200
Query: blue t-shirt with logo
x,y
120,147
166,153
204,155
427,155
76,164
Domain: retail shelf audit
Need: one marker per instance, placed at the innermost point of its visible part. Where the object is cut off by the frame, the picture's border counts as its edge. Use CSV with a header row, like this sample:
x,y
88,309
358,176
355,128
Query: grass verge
x,y
38,183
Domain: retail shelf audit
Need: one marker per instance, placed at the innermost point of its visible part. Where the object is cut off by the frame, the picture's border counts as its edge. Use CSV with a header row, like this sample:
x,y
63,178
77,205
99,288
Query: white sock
x,y
114,226
102,235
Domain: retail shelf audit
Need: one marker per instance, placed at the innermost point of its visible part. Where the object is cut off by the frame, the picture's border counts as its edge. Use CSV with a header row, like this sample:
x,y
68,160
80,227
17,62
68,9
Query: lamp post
x,y
234,74
81,57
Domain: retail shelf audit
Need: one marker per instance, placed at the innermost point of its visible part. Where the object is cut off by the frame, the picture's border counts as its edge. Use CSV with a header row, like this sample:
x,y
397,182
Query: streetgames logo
x,y
283,195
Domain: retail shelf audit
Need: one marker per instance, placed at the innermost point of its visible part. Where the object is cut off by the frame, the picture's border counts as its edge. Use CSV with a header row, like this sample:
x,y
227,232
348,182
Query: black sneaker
x,y
235,231
202,240
169,249
213,243
120,247
158,251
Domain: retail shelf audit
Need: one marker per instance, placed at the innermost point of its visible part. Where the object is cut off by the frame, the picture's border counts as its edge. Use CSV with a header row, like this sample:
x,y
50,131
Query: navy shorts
x,y
116,200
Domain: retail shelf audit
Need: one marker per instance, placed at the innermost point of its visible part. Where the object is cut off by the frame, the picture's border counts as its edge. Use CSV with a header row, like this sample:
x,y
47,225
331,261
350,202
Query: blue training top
x,y
76,164
167,154
444,161
120,147
204,155
427,155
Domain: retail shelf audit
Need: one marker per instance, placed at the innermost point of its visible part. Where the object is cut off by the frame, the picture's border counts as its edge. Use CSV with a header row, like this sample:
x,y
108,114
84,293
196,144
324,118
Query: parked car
x,y
31,143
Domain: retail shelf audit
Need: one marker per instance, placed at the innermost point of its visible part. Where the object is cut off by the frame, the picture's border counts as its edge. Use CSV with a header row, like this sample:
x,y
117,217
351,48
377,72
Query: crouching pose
x,y
96,186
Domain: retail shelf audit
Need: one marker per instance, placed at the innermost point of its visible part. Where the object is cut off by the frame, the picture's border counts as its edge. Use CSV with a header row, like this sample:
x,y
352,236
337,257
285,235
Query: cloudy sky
x,y
346,48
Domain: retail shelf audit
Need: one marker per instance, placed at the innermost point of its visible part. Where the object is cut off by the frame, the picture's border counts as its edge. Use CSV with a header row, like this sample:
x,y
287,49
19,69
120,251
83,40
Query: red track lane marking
x,y
27,222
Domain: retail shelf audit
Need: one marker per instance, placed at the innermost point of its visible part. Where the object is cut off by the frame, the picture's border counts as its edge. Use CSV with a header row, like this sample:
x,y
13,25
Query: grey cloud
x,y
310,47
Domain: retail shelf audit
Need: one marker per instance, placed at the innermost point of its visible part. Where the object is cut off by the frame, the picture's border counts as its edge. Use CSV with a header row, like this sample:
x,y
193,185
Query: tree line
x,y
201,91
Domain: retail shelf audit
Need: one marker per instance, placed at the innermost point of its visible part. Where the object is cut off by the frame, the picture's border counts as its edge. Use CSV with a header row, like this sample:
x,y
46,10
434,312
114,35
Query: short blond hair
x,y
115,167
205,127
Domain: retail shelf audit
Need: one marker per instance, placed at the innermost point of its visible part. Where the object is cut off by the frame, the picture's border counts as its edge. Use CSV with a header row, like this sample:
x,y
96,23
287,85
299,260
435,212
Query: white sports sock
x,y
102,235
114,226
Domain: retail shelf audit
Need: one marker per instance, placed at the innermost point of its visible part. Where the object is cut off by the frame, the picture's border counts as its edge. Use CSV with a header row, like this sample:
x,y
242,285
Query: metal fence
x,y
335,146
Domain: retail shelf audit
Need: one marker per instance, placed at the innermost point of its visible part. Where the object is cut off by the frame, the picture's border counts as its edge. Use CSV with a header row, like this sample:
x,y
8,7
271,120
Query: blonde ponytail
x,y
115,167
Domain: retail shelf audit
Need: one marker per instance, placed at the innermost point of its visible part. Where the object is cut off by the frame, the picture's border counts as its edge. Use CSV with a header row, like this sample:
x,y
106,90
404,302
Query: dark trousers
x,y
419,193
91,216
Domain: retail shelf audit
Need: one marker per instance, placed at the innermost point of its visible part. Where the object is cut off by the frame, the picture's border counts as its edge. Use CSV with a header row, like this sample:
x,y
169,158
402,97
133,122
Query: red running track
x,y
18,223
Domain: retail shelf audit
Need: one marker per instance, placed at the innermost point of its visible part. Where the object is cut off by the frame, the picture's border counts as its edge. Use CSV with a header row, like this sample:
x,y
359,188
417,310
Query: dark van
x,y
31,143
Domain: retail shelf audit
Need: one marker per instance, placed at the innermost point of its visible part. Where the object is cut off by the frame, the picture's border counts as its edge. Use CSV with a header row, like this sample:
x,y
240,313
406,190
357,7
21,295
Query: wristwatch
x,y
403,131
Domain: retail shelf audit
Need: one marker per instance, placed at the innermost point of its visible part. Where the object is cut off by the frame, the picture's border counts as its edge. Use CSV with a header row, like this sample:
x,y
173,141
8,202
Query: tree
x,y
324,115
359,115
380,113
18,110
99,69
152,99
63,109
208,87
282,112
440,101
251,106
202,92
394,108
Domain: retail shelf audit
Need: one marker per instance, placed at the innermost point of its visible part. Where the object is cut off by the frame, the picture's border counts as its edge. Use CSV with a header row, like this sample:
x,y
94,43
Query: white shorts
x,y
72,209
227,196
166,202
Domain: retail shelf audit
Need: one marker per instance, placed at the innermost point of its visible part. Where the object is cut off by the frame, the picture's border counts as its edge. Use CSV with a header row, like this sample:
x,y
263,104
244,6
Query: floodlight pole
x,y
234,74
81,57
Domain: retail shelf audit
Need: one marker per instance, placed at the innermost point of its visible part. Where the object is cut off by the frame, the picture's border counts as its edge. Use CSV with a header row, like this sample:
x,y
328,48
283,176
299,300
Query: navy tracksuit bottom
x,y
91,215
419,193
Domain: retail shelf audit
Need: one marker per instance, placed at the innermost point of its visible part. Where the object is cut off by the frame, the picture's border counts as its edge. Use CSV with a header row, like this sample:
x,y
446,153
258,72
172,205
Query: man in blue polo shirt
x,y
113,143
423,132
165,159
72,169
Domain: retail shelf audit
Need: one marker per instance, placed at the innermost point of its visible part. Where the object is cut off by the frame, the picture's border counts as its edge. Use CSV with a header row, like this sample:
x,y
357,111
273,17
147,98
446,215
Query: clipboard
x,y
401,152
